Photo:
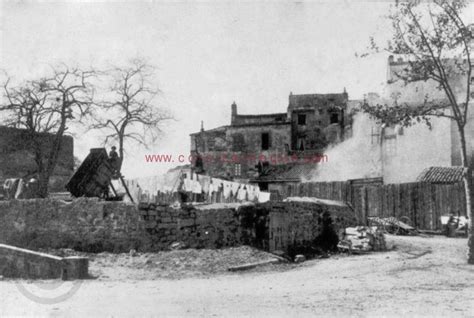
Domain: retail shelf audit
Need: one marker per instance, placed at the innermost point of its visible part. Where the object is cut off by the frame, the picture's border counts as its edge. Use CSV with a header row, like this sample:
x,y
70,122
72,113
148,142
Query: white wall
x,y
418,147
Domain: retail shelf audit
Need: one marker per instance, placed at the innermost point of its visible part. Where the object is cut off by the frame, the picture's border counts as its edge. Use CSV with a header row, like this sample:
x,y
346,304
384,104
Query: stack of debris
x,y
362,239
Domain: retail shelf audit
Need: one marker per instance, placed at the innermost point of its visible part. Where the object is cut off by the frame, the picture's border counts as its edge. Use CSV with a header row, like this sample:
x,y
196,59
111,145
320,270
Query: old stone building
x,y
251,144
17,159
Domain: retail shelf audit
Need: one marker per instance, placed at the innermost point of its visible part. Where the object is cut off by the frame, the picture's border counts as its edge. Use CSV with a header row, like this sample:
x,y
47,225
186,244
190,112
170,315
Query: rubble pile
x,y
362,239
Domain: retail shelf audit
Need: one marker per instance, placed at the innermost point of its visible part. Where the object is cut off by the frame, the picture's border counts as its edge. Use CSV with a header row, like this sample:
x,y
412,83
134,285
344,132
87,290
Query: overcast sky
x,y
208,54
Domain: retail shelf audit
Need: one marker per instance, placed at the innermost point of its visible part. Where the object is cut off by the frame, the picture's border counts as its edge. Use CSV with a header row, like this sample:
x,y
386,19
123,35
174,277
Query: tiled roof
x,y
441,174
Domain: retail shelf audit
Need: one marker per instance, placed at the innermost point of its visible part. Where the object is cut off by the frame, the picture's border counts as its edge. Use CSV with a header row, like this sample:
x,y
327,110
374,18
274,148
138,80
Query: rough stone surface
x,y
17,158
204,226
90,225
21,263
83,224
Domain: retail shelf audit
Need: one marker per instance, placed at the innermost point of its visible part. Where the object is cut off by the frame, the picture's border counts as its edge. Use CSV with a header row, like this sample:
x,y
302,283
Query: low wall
x,y
307,225
206,226
91,225
85,224
21,263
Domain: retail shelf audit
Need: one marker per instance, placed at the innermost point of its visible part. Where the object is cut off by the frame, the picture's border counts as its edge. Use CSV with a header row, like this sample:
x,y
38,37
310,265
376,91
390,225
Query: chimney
x,y
233,113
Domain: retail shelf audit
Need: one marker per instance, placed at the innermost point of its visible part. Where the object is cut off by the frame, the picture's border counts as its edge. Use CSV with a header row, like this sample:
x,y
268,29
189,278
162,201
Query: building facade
x,y
251,144
407,151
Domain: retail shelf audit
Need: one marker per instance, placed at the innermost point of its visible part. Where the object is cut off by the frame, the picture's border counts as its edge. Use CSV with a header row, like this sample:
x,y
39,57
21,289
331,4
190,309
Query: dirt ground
x,y
420,277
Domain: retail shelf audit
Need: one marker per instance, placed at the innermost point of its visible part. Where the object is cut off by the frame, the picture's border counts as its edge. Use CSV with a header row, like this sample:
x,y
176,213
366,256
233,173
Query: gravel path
x,y
422,277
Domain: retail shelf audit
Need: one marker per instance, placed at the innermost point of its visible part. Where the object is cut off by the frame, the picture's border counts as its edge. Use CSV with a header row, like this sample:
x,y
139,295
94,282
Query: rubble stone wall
x,y
85,224
90,225
209,226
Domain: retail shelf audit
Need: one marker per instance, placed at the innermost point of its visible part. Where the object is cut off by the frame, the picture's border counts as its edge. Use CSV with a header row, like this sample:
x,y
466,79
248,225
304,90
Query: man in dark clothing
x,y
113,153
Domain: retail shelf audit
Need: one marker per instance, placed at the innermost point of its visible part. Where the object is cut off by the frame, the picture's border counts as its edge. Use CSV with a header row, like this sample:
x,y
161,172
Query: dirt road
x,y
422,277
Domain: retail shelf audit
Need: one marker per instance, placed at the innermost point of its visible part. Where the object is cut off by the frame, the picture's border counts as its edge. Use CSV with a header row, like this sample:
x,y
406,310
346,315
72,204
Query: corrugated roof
x,y
441,174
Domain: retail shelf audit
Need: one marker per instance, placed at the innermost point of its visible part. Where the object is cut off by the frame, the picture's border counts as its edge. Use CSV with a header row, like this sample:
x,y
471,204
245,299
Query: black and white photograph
x,y
206,158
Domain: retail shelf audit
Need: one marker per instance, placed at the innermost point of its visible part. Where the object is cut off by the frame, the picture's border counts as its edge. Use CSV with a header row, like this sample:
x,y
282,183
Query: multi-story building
x,y
407,151
244,149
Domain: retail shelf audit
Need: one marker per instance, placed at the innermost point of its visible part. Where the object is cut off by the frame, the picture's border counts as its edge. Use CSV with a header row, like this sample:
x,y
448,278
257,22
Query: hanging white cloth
x,y
242,194
227,188
263,197
196,187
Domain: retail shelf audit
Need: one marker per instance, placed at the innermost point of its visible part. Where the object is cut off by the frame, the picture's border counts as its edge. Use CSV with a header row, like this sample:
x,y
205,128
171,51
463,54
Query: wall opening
x,y
265,141
301,119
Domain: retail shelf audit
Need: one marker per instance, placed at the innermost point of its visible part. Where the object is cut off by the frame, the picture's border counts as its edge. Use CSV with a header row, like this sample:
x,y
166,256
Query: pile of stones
x,y
362,239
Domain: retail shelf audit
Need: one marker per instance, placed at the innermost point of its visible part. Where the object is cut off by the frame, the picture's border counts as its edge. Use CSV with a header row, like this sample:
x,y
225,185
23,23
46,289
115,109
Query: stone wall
x,y
94,226
17,262
207,226
17,157
83,224
90,225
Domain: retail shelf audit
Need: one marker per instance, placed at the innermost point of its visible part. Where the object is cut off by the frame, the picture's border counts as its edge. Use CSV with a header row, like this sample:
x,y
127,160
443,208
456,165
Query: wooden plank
x,y
413,198
398,205
433,207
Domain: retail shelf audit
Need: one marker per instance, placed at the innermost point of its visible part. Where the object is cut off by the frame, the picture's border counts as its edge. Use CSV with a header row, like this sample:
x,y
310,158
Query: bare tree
x,y
130,110
46,106
437,42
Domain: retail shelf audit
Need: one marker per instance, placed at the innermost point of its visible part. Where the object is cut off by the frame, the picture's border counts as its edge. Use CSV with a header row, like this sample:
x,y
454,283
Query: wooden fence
x,y
422,203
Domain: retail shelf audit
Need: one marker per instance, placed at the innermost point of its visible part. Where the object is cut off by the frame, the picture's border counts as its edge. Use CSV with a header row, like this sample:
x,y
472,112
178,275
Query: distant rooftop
x,y
302,100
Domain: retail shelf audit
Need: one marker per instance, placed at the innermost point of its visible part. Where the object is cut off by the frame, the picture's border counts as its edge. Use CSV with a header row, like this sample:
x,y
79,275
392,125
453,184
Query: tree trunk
x,y
43,185
120,154
467,188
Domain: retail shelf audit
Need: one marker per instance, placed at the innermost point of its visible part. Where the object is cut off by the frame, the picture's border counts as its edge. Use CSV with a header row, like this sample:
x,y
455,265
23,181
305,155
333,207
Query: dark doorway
x,y
265,141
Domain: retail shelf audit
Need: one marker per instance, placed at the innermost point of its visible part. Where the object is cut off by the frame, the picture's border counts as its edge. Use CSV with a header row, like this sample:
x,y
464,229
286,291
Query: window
x,y
301,119
265,141
237,169
333,118
238,142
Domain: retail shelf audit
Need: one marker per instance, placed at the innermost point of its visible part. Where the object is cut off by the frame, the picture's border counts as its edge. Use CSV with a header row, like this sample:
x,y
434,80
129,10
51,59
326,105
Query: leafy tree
x,y
436,41
130,111
44,107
